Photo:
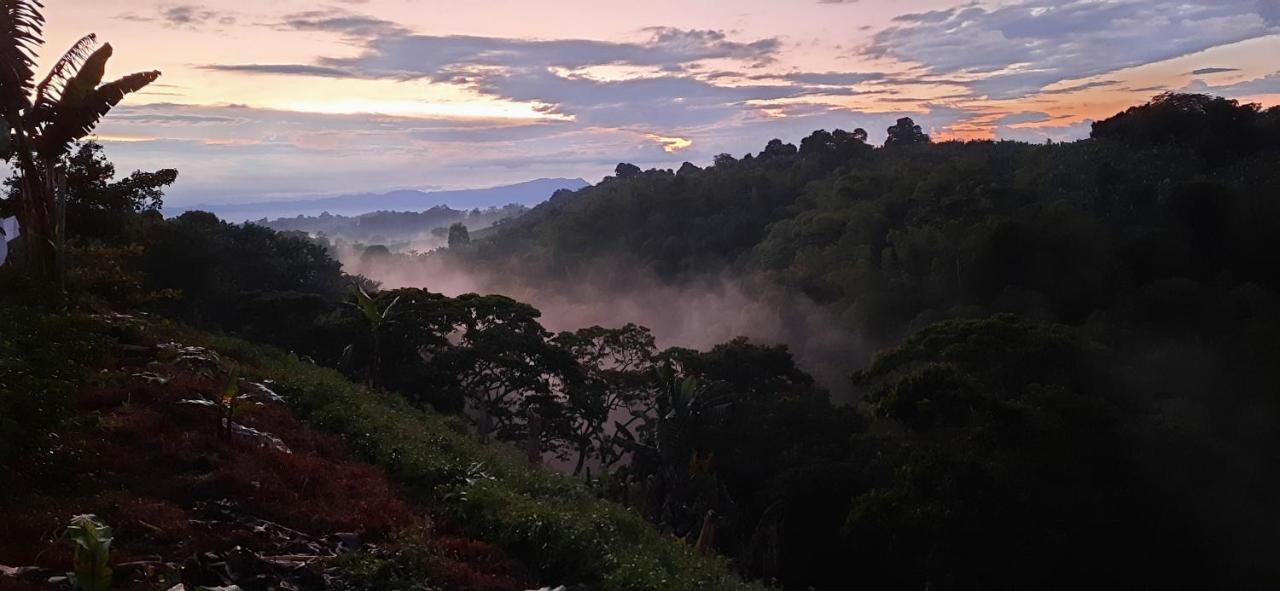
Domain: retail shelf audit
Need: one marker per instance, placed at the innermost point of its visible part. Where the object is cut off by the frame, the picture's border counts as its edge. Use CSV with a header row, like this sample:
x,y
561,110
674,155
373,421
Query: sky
x,y
280,99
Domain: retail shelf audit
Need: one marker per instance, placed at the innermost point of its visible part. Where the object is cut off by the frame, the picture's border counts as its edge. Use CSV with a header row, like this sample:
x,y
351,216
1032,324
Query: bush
x,y
42,361
543,519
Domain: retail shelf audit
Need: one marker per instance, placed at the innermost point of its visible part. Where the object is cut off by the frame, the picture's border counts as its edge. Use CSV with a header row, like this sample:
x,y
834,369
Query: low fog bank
x,y
697,315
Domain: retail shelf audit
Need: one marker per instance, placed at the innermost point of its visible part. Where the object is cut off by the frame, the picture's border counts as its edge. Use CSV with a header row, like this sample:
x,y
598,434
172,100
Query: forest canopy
x,y
1075,383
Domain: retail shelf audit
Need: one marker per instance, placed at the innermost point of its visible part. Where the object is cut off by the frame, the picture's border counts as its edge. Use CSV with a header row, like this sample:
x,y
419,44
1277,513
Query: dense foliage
x,y
399,230
1080,390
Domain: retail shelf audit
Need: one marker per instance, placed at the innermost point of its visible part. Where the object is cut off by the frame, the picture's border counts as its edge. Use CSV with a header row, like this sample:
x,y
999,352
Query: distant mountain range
x,y
527,193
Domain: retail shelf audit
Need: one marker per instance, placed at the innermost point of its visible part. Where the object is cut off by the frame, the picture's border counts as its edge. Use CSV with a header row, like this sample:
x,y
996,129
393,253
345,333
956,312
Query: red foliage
x,y
473,565
144,461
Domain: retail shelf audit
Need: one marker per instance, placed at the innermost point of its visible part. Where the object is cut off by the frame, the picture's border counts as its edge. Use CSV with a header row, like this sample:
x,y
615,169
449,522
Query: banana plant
x,y
43,120
375,318
91,559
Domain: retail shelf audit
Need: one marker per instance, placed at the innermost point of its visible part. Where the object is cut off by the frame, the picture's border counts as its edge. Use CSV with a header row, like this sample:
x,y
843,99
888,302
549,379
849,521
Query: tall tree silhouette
x,y
906,133
38,131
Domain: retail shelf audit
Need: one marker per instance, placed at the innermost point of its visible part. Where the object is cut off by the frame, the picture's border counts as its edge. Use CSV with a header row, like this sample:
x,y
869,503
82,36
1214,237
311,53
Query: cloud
x,y
1269,84
1270,10
1041,134
442,57
1205,71
1020,118
189,15
833,78
281,69
554,73
345,23
1081,86
1020,48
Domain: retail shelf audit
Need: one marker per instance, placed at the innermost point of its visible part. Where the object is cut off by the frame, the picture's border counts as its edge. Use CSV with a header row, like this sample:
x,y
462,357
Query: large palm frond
x,y
74,120
50,90
21,27
87,77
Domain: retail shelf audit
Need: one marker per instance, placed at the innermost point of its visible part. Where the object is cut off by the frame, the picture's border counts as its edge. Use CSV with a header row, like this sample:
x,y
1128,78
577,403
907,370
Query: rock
x,y
143,571
259,438
151,378
264,392
199,402
348,542
28,573
197,572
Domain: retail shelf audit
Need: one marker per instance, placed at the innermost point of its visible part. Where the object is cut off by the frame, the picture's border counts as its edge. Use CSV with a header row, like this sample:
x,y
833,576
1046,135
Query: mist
x,y
697,314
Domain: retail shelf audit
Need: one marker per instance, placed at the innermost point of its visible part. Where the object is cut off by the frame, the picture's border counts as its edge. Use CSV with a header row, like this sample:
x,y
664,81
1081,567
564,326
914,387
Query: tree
x,y
906,133
375,316
502,363
834,146
616,384
626,171
1214,128
67,105
459,236
777,148
91,184
97,204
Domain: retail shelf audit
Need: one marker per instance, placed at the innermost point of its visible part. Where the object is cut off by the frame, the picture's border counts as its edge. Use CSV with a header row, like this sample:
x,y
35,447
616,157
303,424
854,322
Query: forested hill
x,y
1076,384
1168,203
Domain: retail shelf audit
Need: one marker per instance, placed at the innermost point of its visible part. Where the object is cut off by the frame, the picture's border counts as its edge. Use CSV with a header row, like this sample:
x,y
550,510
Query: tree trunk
x,y
707,537
376,361
485,420
58,179
533,440
583,448
37,203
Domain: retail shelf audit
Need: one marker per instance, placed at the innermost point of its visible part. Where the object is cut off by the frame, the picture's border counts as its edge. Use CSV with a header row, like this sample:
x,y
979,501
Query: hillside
x,y
401,230
315,482
1057,365
888,240
528,193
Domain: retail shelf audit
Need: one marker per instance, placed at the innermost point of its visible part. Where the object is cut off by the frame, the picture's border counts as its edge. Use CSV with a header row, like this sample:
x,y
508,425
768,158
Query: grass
x,y
42,365
547,521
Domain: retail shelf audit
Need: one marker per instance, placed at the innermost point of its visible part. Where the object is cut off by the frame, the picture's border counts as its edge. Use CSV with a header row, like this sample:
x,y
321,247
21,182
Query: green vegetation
x,y
547,520
92,558
399,230
42,121
42,360
1077,385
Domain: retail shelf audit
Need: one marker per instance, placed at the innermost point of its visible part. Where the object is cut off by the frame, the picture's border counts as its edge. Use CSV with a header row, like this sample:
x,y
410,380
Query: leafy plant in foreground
x,y
92,558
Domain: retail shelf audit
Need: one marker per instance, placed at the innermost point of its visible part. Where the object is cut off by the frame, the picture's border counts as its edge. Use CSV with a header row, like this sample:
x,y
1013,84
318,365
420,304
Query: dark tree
x,y
777,148
616,385
91,184
1214,128
626,171
906,133
459,236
